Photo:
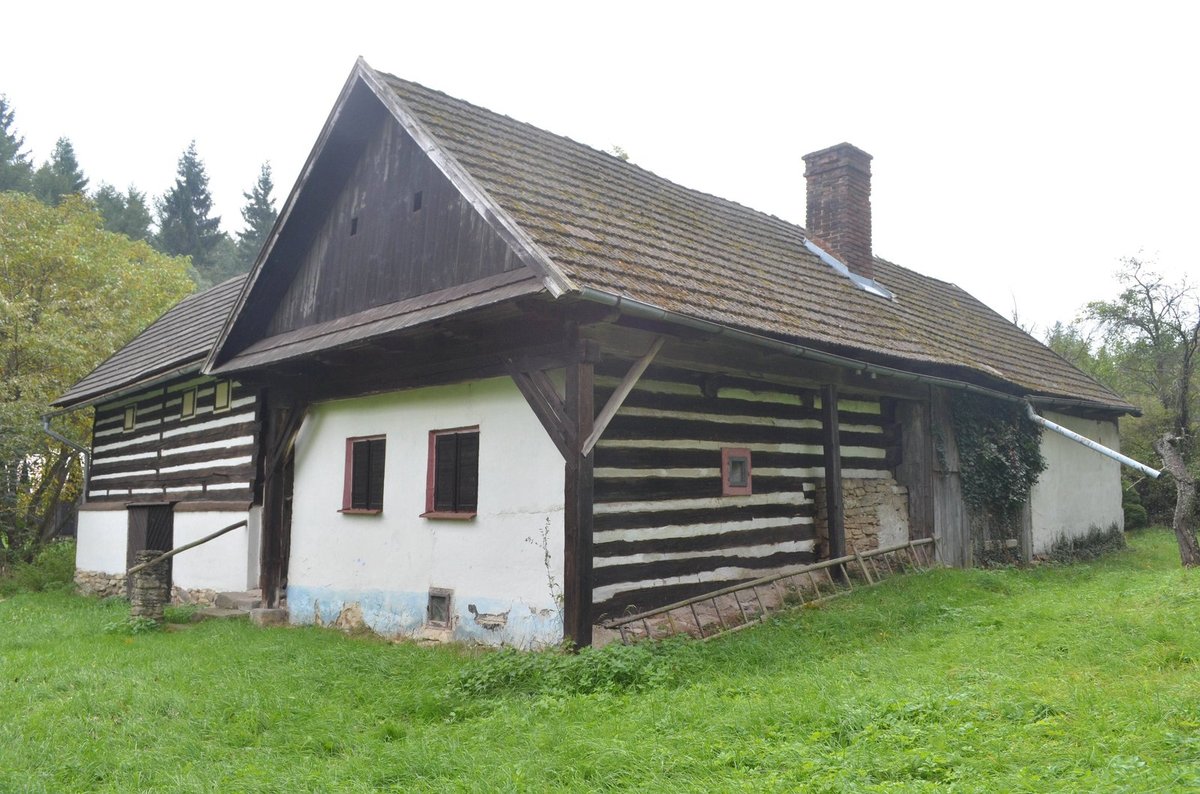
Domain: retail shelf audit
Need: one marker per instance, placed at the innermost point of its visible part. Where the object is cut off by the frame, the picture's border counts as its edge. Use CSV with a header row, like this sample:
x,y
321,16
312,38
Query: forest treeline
x,y
180,222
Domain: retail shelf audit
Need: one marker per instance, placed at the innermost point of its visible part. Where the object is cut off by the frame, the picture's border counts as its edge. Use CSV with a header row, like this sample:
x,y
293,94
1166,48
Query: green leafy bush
x,y
1136,516
52,568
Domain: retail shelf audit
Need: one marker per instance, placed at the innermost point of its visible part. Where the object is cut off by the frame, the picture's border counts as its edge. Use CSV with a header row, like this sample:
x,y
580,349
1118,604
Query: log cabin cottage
x,y
487,383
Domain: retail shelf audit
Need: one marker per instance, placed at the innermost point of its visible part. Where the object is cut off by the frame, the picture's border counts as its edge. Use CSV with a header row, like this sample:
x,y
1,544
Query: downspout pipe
x,y
84,452
1090,444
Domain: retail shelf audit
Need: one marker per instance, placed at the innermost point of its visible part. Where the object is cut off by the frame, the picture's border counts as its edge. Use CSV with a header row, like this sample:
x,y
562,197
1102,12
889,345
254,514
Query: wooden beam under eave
x,y
835,507
577,502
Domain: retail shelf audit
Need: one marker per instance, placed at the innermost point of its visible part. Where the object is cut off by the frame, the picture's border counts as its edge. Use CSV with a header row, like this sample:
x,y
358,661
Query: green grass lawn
x,y
1063,678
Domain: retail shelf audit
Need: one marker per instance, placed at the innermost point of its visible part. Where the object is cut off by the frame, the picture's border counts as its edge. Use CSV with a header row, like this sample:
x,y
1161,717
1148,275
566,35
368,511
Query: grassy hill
x,y
1061,678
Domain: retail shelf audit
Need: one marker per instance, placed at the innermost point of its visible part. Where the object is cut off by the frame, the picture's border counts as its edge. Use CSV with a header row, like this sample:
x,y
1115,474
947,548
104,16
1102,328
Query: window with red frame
x,y
452,487
363,489
735,472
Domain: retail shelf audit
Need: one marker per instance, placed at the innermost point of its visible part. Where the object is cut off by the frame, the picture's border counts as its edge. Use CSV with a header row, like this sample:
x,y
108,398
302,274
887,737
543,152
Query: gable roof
x,y
588,221
176,342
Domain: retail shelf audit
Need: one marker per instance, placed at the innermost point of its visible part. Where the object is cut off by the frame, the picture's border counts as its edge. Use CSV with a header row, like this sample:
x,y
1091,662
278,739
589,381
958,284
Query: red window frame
x,y
348,479
431,510
728,455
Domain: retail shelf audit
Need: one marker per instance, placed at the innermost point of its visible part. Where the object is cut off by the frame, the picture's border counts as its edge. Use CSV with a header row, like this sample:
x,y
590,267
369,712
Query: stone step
x,y
218,613
241,601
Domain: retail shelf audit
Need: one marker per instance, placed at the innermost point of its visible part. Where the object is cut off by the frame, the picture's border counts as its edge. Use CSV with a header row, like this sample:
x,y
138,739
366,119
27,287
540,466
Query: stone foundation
x,y
876,514
99,584
107,585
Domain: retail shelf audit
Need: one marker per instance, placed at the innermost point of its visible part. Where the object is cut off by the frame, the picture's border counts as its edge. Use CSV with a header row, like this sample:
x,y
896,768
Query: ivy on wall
x,y
1000,455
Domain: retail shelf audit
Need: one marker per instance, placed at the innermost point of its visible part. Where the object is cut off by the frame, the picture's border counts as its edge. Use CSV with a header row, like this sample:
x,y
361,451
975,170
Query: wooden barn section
x,y
174,455
509,385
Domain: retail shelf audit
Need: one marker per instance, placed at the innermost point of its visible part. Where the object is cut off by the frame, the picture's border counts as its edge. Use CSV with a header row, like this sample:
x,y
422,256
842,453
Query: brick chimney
x,y
839,205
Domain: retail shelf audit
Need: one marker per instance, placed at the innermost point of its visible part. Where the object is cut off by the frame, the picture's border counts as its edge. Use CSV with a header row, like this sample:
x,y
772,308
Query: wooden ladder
x,y
747,604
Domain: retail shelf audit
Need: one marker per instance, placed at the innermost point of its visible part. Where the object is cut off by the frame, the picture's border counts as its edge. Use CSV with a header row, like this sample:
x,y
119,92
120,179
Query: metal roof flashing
x,y
863,283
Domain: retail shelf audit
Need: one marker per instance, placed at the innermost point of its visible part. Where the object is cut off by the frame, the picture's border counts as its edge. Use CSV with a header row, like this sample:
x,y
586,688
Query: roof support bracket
x,y
618,397
539,391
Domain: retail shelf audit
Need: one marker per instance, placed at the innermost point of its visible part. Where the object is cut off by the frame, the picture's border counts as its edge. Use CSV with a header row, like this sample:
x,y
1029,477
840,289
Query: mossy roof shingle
x,y
615,227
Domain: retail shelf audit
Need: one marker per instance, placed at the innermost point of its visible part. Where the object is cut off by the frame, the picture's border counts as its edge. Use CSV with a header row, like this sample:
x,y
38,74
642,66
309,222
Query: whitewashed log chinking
x,y
663,531
206,457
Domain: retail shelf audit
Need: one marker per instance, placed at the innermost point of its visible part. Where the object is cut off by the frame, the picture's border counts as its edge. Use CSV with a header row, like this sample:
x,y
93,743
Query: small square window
x,y
222,395
438,613
362,491
452,481
130,418
735,472
187,405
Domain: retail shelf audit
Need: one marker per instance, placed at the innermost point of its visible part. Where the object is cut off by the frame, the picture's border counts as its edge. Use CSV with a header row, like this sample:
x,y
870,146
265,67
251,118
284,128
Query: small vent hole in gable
x,y
416,201
353,226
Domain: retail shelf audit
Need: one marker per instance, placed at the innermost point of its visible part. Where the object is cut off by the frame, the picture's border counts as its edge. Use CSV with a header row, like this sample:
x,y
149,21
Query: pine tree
x,y
259,215
184,225
60,175
124,214
16,172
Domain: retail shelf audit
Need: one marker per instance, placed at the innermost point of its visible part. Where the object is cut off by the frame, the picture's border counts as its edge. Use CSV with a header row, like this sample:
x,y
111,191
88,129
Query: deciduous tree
x,y
70,294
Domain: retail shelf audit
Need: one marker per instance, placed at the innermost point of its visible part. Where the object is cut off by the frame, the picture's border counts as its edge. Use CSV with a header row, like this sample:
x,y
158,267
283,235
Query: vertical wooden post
x,y
577,499
834,506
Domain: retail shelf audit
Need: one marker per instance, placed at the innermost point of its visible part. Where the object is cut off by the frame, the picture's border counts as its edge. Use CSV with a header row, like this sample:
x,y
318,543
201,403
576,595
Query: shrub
x,y
52,568
1136,516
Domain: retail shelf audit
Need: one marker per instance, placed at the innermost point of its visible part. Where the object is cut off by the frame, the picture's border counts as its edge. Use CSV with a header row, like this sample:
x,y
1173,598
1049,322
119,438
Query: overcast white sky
x,y
1021,149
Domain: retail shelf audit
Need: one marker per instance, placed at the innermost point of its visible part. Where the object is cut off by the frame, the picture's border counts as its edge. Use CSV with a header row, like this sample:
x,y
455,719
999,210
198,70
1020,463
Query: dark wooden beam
x,y
284,417
834,504
547,406
577,500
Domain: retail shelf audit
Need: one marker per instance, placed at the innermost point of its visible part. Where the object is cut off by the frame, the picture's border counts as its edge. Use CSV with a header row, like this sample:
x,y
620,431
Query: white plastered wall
x,y
1080,489
101,541
384,565
219,564
229,562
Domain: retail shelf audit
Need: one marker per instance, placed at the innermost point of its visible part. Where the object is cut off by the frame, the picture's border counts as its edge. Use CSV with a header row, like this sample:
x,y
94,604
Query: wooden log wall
x,y
663,531
209,457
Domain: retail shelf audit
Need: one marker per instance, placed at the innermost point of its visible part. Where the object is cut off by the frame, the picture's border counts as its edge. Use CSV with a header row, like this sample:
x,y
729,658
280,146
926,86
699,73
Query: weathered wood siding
x,y
663,531
396,228
209,457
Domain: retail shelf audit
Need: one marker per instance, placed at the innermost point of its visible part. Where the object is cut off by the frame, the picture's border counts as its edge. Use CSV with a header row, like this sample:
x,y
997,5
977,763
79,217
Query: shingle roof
x,y
183,336
615,227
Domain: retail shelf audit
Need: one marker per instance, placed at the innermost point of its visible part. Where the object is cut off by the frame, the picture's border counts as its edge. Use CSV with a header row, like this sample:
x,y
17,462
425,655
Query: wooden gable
x,y
381,225
397,228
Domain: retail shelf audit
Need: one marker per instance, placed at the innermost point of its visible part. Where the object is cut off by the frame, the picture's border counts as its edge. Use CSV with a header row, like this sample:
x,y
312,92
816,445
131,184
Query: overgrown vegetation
x,y
1096,543
999,450
1072,678
52,568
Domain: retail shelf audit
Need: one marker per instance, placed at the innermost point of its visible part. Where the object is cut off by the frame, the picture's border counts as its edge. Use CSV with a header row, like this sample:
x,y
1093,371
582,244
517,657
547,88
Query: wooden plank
x,y
951,523
552,415
834,503
622,391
